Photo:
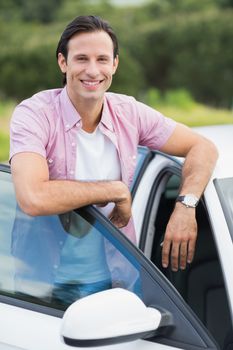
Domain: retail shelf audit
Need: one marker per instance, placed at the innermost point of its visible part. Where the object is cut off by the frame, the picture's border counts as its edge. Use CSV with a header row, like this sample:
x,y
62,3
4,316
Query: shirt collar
x,y
71,117
106,119
69,114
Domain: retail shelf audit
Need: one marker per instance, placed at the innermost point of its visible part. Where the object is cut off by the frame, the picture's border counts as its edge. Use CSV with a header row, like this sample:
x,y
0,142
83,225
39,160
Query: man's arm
x,y
200,158
37,195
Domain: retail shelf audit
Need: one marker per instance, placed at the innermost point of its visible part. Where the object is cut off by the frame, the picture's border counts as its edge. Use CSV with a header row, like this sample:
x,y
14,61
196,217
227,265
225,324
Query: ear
x,y
115,64
62,62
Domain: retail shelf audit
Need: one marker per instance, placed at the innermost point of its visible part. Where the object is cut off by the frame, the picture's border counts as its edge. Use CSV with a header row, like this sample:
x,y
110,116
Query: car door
x,y
31,250
203,285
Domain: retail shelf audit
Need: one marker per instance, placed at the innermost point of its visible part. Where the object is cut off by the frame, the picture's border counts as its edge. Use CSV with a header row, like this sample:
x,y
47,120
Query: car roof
x,y
222,136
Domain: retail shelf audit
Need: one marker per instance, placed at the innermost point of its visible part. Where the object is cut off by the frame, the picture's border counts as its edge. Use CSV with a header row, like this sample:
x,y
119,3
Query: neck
x,y
89,110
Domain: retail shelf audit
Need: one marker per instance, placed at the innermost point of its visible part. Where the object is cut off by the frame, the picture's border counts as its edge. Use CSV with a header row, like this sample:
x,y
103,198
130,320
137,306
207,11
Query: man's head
x,y
84,24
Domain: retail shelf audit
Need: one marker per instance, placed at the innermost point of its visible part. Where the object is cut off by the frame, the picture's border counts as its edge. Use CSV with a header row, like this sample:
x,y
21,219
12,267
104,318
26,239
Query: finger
x,y
191,250
117,220
175,256
166,252
183,255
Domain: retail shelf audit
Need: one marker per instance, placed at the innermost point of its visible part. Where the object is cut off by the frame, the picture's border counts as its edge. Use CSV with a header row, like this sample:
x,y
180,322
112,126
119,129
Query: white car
x,y
148,307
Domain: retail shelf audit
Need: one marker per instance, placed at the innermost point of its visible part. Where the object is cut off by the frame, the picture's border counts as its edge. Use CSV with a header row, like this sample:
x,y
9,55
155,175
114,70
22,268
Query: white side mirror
x,y
110,317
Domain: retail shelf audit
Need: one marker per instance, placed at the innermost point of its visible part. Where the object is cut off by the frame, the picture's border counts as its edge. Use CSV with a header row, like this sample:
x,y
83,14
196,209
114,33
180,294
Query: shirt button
x,y
73,144
71,172
61,242
50,160
55,266
134,157
67,126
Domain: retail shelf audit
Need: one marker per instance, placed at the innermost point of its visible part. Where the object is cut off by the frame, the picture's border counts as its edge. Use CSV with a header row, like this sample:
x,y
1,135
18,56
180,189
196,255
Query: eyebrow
x,y
80,55
104,56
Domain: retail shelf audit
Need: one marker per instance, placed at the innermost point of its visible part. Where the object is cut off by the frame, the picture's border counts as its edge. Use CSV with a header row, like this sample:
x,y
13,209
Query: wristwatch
x,y
189,200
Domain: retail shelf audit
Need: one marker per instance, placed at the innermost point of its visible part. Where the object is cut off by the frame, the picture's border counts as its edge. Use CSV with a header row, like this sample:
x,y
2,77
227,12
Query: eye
x,y
81,59
103,59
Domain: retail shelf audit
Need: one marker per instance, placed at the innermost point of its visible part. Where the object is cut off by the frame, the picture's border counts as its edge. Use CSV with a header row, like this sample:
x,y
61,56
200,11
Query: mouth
x,y
91,84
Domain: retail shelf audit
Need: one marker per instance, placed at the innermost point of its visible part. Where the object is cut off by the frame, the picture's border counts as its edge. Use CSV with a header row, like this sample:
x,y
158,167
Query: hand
x,y
180,238
122,211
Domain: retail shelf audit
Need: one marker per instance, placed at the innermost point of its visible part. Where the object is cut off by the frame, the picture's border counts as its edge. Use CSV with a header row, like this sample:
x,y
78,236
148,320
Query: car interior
x,y
201,284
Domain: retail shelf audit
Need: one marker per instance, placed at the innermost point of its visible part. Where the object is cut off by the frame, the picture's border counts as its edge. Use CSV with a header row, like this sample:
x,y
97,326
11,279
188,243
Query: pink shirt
x,y
47,124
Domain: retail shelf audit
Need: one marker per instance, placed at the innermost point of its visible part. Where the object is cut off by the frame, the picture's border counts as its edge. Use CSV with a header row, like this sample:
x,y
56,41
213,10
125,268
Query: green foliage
x,y
4,147
129,78
42,11
29,72
167,44
179,98
153,97
194,52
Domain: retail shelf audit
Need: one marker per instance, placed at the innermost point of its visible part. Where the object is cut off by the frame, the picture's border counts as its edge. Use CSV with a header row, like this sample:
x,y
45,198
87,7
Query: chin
x,y
93,96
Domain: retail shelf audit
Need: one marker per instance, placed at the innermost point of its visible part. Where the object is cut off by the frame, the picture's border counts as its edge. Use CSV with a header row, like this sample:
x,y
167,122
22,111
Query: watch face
x,y
190,200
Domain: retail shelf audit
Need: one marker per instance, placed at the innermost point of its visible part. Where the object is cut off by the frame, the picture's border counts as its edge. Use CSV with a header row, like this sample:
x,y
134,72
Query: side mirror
x,y
110,317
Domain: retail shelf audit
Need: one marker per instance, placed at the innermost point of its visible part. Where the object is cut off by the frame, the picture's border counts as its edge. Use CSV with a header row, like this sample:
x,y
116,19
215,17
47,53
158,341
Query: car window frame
x,y
147,155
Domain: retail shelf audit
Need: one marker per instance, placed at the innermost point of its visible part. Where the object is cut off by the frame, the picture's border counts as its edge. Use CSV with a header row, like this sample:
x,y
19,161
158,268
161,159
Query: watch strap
x,y
182,199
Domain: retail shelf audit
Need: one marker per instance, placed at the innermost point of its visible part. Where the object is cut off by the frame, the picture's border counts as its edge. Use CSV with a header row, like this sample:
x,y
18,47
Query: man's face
x,y
89,66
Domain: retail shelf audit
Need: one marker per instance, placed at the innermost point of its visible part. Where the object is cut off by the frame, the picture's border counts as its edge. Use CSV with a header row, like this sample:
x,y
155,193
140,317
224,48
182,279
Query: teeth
x,y
90,83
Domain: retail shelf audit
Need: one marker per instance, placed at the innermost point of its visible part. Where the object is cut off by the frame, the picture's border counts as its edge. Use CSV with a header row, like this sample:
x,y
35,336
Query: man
x,y
59,137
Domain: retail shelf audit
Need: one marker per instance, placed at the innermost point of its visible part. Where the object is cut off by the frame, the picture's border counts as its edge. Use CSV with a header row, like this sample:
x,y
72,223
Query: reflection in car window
x,y
55,260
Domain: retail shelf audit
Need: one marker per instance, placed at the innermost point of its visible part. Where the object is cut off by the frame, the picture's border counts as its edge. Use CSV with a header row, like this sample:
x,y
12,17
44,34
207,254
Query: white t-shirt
x,y
96,159
83,259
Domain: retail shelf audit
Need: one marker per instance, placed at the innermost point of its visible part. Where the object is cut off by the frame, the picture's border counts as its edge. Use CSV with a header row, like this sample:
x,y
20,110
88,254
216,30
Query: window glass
x,y
7,216
55,260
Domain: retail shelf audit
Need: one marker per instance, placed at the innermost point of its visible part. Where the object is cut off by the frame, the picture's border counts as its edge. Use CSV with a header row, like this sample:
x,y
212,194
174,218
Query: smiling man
x,y
77,146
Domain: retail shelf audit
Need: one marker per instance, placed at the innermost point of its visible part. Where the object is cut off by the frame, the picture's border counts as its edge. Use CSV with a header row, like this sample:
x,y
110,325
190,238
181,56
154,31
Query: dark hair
x,y
83,24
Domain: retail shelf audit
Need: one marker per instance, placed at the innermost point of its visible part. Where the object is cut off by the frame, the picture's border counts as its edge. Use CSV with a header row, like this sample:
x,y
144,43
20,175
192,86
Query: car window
x,y
201,284
54,260
50,261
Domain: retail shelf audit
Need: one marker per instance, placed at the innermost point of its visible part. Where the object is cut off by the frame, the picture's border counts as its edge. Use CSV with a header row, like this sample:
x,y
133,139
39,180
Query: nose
x,y
92,69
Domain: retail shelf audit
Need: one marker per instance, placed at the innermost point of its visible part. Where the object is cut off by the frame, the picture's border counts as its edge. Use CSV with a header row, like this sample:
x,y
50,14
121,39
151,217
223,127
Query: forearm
x,y
59,196
181,232
198,167
38,195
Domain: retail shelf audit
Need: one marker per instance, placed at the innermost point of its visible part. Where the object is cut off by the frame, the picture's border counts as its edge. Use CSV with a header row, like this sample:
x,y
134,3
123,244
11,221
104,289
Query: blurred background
x,y
175,55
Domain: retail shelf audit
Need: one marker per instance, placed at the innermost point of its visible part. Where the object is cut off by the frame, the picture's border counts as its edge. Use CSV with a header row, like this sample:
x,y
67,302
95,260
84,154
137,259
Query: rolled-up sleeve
x,y
28,130
154,128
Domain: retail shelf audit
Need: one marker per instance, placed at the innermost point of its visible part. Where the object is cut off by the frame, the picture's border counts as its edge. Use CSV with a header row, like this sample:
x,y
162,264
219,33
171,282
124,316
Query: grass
x,y
6,109
4,147
197,115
